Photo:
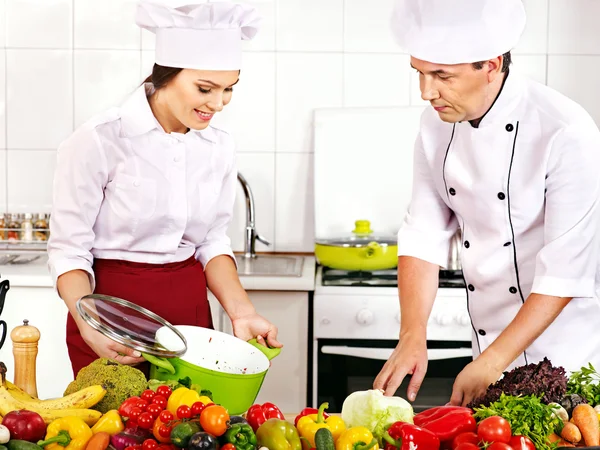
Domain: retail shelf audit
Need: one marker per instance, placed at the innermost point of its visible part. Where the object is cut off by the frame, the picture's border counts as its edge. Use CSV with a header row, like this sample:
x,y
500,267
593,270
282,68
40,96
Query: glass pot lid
x,y
131,325
361,236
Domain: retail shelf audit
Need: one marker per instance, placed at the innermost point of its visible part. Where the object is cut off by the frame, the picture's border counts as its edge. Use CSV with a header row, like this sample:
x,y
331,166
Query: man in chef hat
x,y
514,164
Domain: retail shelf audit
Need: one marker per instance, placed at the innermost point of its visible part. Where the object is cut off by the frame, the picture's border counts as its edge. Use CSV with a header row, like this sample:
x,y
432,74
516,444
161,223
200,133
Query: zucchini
x,y
19,444
324,439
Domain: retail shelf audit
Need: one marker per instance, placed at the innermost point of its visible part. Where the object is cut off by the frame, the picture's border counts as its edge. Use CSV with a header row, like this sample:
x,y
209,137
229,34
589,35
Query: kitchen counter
x,y
36,274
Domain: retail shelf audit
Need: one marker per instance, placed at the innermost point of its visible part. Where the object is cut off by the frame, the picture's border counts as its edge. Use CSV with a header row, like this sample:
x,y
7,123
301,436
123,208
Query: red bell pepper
x,y
428,415
448,426
406,436
306,412
259,414
128,405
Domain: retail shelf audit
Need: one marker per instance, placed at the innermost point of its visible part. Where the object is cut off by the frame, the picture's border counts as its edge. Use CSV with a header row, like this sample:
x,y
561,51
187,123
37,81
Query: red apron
x,y
175,291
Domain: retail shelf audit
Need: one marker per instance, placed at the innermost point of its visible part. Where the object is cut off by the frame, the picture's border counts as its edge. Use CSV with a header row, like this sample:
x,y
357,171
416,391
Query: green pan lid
x,y
132,325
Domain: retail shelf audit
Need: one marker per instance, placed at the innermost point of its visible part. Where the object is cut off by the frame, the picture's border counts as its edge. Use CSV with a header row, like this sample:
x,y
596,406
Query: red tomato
x,y
149,444
494,429
184,412
164,390
142,404
197,408
164,431
166,416
145,420
148,395
160,400
519,442
154,409
467,446
467,437
135,413
499,446
228,446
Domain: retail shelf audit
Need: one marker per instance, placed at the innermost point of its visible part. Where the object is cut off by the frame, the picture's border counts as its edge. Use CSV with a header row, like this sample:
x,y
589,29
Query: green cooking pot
x,y
362,250
232,369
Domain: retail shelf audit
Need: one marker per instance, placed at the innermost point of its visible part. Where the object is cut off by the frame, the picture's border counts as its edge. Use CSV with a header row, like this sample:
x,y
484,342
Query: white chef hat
x,y
206,35
457,31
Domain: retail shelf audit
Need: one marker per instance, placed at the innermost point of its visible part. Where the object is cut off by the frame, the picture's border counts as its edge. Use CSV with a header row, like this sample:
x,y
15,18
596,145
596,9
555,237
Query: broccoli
x,y
120,381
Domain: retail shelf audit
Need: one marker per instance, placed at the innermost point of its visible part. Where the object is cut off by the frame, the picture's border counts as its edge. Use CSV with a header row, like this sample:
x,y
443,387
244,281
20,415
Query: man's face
x,y
457,92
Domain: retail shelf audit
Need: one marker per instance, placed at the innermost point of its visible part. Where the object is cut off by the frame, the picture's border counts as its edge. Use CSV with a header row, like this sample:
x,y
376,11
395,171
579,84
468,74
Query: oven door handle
x,y
383,354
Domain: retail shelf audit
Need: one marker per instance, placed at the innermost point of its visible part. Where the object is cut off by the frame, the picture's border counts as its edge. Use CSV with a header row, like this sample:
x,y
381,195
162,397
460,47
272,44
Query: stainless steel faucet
x,y
251,235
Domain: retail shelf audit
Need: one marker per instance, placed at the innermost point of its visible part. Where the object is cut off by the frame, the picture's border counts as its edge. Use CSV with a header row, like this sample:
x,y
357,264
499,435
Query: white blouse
x,y
124,189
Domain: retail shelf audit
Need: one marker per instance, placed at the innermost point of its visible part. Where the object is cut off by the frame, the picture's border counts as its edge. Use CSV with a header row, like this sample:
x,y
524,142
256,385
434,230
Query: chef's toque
x,y
457,31
205,35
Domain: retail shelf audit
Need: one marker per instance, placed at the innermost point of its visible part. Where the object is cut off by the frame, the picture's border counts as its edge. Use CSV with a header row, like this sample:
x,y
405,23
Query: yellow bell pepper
x,y
356,438
67,433
184,396
110,422
309,424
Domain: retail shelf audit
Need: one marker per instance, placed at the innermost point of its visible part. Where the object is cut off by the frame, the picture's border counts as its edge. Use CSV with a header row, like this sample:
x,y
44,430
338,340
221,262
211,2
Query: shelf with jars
x,y
23,237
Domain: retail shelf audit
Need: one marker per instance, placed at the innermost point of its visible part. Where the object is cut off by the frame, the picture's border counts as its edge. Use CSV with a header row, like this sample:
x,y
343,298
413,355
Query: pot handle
x,y
163,364
269,352
371,250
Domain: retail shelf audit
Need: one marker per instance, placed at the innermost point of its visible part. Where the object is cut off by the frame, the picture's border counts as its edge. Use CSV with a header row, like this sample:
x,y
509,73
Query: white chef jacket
x,y
124,189
524,188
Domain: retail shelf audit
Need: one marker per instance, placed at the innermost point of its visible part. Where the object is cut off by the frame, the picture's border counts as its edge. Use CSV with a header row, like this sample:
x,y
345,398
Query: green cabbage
x,y
374,411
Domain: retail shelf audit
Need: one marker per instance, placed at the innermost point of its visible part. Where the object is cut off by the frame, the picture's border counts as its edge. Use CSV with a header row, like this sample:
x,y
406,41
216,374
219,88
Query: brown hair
x,y
506,60
161,75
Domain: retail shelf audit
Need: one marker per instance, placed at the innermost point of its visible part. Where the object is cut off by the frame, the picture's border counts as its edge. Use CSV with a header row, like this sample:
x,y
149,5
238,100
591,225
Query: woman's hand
x,y
255,326
107,348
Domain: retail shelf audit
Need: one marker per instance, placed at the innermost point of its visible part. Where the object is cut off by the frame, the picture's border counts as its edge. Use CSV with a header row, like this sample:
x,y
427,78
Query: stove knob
x,y
444,320
364,317
464,319
325,321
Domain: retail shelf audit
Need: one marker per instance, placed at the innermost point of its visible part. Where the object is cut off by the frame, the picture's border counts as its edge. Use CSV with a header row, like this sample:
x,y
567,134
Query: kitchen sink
x,y
270,265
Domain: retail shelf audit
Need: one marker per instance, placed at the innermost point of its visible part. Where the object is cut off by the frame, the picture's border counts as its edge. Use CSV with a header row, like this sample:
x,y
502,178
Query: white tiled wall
x,y
64,60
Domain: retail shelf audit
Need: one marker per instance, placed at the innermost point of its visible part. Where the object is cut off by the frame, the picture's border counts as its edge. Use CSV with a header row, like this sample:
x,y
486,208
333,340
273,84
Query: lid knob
x,y
25,333
362,227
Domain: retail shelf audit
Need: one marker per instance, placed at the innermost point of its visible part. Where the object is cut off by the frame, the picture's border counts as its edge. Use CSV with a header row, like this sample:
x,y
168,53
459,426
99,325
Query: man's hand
x,y
473,381
409,358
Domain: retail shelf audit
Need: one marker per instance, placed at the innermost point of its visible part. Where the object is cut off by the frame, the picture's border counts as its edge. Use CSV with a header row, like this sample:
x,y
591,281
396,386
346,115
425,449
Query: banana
x,y
9,403
82,399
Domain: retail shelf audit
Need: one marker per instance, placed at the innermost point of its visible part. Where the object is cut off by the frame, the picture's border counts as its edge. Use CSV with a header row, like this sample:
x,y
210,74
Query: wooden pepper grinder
x,y
25,349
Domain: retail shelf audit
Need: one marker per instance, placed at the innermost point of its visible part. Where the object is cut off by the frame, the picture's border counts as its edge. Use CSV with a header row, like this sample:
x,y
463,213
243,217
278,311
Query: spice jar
x,y
14,228
40,228
2,228
25,349
27,228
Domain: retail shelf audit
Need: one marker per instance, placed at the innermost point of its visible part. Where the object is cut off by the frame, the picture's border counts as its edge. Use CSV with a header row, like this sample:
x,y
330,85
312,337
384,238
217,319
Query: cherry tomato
x,y
160,400
520,442
214,420
467,446
166,416
145,420
149,444
165,391
494,429
228,446
164,431
197,408
154,409
135,412
148,395
499,446
184,412
142,404
467,437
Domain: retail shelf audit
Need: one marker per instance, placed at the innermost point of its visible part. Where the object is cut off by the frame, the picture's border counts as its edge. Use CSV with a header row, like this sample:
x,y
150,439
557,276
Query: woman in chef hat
x,y
514,164
143,193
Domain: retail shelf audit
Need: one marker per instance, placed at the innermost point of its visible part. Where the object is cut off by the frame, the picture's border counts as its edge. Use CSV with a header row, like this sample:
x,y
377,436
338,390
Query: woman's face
x,y
194,96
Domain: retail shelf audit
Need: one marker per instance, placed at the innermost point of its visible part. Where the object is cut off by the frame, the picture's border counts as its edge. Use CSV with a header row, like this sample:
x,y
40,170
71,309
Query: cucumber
x,y
19,444
324,439
181,434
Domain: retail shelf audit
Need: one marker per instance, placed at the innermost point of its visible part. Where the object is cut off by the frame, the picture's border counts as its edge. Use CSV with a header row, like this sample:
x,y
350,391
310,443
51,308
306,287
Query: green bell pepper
x,y
241,435
277,434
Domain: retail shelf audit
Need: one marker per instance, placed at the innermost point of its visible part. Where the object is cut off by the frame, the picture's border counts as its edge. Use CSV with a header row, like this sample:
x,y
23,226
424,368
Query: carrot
x,y
586,420
571,433
98,441
561,442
